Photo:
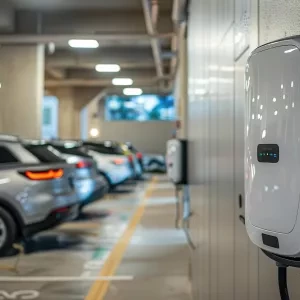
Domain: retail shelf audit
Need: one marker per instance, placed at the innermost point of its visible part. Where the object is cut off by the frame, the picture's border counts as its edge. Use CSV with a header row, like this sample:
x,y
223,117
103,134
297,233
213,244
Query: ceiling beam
x,y
93,74
16,39
127,58
55,73
86,21
49,83
91,65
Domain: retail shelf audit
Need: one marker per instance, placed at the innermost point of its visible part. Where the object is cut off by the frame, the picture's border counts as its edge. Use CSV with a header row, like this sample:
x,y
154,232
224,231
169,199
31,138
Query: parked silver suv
x,y
89,185
33,196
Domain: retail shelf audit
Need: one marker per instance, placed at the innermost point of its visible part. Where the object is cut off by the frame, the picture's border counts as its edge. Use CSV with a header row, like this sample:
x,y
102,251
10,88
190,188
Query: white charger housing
x,y
272,147
177,161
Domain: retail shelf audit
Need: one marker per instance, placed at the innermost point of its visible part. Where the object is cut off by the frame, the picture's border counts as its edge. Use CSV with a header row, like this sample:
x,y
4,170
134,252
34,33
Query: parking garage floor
x,y
124,247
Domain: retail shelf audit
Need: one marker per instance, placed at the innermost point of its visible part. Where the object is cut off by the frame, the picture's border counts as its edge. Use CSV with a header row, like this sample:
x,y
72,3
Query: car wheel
x,y
8,230
107,181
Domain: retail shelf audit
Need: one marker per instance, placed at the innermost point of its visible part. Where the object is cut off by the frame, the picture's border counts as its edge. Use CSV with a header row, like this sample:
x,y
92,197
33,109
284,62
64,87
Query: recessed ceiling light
x,y
107,68
122,81
83,44
133,92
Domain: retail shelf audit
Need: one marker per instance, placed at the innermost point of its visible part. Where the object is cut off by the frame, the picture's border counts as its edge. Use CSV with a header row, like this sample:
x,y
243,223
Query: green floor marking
x,y
99,253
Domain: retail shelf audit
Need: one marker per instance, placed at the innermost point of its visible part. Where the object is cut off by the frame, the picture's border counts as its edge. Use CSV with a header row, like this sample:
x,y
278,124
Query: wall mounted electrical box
x,y
177,162
272,147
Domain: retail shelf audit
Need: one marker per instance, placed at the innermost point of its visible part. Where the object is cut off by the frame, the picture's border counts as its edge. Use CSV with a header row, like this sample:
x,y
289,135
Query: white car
x,y
112,168
117,152
116,169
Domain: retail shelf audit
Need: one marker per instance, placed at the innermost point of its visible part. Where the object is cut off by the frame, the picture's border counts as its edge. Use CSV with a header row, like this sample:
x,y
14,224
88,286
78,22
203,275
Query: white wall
x,y
149,137
84,123
226,265
50,127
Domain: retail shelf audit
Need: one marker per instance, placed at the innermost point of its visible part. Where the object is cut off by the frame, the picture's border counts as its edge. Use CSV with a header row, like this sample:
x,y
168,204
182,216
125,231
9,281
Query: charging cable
x,y
282,282
282,263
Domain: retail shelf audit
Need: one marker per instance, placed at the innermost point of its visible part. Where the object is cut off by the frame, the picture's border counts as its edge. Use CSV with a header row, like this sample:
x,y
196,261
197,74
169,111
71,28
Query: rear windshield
x,y
43,153
116,150
132,149
78,151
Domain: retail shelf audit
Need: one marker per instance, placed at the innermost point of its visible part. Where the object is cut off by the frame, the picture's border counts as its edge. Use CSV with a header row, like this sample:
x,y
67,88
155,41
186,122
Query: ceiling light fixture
x,y
108,68
133,92
122,81
83,44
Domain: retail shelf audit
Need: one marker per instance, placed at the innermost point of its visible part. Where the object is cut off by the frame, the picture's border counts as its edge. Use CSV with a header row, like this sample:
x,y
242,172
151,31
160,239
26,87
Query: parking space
x,y
120,247
62,263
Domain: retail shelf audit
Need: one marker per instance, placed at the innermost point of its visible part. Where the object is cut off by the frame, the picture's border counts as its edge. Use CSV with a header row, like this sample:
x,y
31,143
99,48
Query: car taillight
x,y
118,161
130,158
61,210
139,155
44,175
84,164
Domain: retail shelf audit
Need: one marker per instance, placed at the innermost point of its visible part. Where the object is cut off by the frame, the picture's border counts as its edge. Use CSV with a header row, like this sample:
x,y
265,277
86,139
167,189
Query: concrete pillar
x,y
22,88
182,84
71,102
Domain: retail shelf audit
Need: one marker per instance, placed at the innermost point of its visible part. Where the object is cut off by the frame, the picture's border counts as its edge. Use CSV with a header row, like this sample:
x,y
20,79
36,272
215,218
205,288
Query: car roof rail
x,y
34,142
9,138
70,143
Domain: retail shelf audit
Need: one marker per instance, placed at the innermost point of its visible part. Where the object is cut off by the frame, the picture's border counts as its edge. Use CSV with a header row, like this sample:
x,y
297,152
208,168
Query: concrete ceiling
x,y
127,30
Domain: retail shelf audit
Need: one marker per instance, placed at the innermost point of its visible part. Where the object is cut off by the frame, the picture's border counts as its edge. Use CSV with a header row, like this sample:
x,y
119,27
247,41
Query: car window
x,y
44,154
71,151
115,150
6,156
132,148
22,154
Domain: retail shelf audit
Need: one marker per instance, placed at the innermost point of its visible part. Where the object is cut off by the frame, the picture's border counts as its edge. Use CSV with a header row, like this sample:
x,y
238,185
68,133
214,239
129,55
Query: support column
x,y
94,127
71,102
22,89
182,83
95,113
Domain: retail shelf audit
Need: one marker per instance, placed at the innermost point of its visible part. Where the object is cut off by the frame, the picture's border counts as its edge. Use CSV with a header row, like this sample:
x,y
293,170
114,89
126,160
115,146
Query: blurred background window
x,y
140,108
47,116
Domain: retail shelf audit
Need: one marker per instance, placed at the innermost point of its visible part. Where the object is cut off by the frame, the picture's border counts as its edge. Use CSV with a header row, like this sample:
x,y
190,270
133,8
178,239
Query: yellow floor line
x,y
100,288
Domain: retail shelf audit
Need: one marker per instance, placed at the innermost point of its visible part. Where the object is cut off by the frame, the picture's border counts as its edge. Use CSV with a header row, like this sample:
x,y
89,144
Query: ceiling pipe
x,y
16,39
179,11
155,13
154,42
179,18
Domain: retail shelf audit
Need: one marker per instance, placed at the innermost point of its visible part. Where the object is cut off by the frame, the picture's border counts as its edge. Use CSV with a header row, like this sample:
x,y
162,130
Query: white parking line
x,y
63,278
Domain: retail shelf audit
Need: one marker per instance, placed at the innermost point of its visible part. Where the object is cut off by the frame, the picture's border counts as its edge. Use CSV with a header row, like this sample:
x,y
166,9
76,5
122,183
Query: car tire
x,y
106,179
8,232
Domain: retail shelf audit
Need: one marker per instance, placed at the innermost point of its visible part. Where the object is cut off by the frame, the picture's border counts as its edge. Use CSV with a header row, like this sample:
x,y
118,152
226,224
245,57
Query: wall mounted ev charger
x,y
272,147
176,159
